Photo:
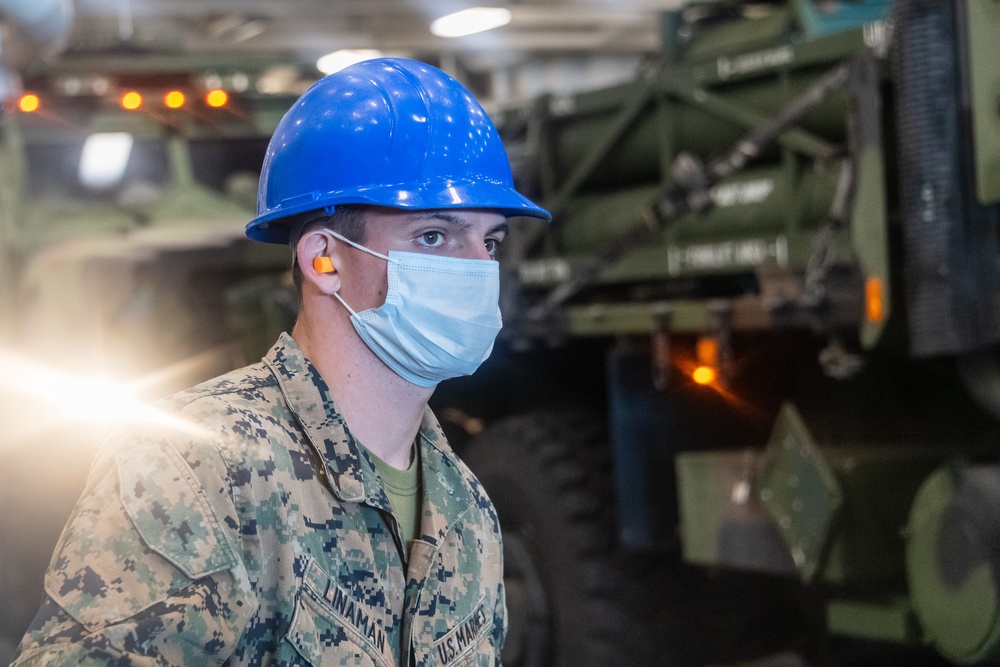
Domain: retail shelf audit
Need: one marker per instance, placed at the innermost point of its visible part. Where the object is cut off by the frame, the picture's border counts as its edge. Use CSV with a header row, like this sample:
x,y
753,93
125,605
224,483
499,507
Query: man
x,y
307,510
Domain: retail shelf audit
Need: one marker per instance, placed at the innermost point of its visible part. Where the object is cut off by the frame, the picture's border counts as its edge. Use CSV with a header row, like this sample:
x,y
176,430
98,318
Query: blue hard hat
x,y
386,132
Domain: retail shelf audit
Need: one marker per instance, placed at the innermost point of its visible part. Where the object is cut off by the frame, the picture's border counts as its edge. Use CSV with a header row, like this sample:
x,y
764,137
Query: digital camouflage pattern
x,y
258,533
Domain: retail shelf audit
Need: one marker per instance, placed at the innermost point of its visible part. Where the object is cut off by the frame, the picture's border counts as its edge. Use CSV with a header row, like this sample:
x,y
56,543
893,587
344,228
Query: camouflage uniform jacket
x,y
259,534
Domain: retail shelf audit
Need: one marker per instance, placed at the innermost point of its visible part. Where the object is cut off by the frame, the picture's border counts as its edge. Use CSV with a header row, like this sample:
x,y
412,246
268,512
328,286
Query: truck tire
x,y
549,478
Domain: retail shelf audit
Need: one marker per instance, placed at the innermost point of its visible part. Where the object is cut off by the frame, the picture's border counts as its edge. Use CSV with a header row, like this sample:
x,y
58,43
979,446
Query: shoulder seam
x,y
192,395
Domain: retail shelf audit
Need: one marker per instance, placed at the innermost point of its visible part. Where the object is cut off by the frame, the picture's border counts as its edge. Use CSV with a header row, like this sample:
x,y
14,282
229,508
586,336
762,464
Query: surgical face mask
x,y
440,316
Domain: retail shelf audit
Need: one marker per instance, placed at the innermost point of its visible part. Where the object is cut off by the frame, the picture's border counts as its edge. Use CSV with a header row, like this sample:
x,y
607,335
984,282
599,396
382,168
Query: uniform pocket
x,y
484,655
331,628
169,510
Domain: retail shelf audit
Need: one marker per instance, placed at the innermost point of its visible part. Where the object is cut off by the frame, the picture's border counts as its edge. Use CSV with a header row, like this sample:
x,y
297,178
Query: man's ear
x,y
317,257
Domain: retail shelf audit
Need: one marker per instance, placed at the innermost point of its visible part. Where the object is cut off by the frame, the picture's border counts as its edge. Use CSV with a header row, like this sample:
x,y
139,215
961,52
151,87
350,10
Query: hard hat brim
x,y
273,227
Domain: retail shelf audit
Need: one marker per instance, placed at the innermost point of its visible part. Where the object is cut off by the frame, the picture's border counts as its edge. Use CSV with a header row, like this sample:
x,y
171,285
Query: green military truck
x,y
124,269
748,394
128,180
746,397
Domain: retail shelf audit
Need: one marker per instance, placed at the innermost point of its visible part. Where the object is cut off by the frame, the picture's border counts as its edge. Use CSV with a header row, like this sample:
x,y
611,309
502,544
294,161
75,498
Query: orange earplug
x,y
323,265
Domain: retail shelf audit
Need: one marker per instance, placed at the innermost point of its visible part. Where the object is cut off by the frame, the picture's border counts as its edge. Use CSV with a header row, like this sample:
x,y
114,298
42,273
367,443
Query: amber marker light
x,y
707,352
703,375
29,102
174,99
131,100
874,304
216,98
707,355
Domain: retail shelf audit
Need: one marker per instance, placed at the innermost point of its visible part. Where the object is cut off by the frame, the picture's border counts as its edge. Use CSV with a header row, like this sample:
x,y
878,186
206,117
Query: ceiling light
x,y
277,80
104,158
470,21
338,60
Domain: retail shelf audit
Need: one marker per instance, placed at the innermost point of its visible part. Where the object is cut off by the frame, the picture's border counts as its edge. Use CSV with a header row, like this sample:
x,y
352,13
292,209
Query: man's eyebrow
x,y
453,219
500,227
443,216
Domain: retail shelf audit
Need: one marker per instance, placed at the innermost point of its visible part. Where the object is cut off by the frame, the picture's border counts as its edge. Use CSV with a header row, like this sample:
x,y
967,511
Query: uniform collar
x,y
448,489
351,473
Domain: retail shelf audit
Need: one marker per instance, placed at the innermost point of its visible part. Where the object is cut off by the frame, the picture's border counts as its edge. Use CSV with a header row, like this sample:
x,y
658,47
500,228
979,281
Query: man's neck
x,y
382,410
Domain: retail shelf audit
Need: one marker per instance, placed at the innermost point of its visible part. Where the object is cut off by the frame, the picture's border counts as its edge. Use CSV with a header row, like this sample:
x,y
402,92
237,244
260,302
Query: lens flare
x,y
65,397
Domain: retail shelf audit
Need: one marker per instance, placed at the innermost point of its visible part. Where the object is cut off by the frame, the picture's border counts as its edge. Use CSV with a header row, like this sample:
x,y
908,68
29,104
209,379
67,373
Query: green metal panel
x,y
839,511
746,313
738,36
593,220
757,201
869,235
721,521
638,318
601,138
705,120
751,204
11,182
879,482
800,491
868,216
735,65
702,490
984,30
888,621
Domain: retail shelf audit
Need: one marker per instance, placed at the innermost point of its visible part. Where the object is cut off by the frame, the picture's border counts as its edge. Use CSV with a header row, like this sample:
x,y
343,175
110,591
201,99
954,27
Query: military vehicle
x,y
747,394
116,166
126,181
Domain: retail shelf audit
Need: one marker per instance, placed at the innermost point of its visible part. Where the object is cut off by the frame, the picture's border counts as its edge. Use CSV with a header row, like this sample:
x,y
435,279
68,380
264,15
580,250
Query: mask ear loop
x,y
363,249
344,303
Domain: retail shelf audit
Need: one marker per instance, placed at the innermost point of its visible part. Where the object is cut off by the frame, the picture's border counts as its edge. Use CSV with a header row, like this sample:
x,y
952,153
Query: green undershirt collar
x,y
403,489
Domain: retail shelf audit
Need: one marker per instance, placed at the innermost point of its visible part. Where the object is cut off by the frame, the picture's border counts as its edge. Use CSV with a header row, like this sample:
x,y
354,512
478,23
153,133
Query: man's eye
x,y
491,246
431,239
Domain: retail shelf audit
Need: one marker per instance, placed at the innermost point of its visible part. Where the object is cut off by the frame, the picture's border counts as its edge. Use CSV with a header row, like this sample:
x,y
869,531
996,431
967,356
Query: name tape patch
x,y
355,616
465,635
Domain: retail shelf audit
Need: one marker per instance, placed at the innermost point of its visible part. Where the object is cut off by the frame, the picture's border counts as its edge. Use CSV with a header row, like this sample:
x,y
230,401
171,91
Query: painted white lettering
x,y
752,62
740,194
